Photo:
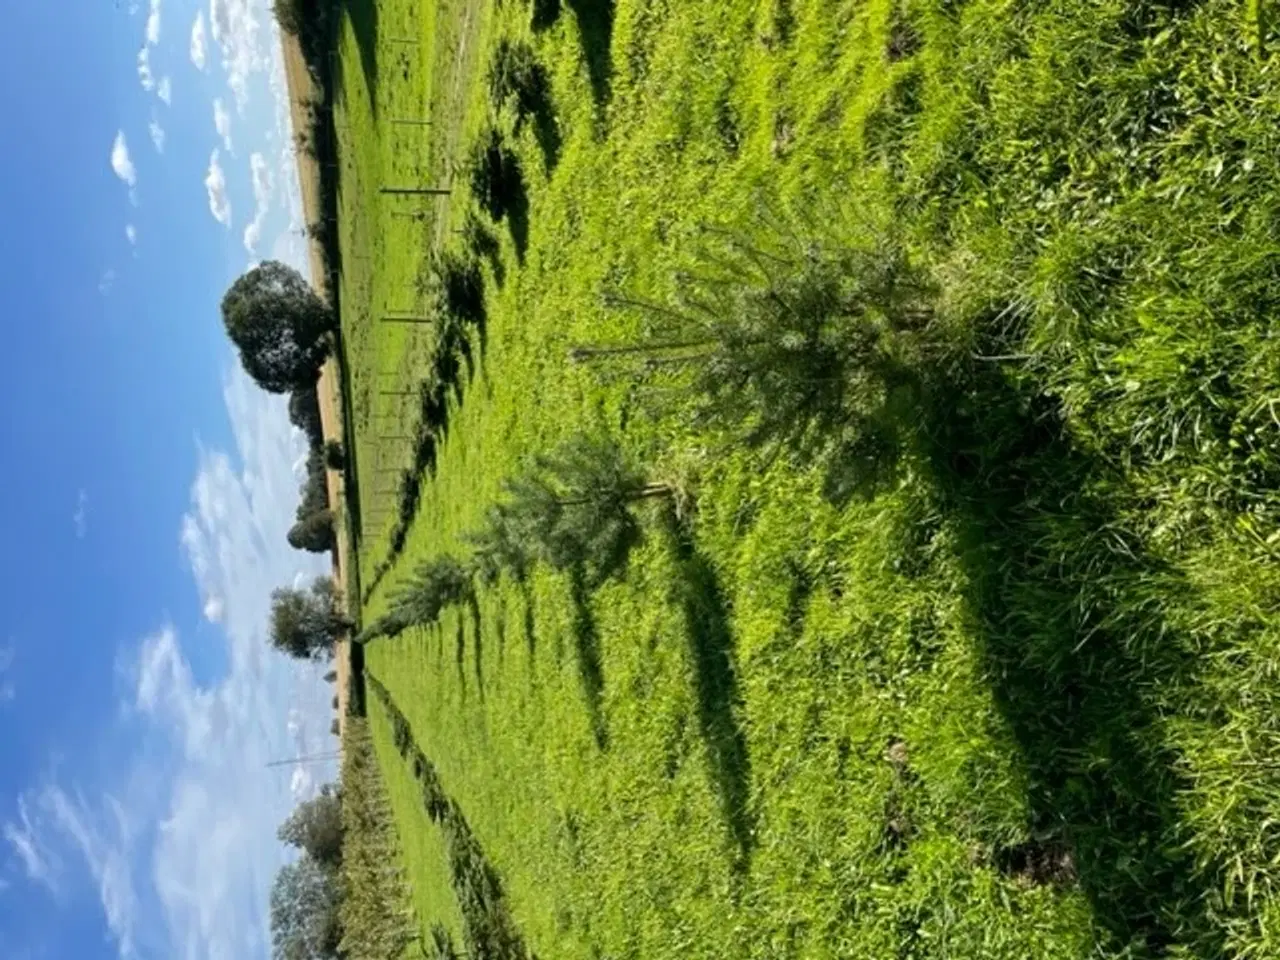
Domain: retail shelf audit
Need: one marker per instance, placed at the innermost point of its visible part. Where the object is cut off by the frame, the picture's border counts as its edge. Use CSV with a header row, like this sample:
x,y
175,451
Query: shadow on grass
x,y
477,632
363,16
460,657
595,25
710,639
586,639
488,929
498,184
530,623
1082,661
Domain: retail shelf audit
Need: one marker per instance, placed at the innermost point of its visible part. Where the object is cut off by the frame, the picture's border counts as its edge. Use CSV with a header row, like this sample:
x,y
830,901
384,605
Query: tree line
x,y
283,333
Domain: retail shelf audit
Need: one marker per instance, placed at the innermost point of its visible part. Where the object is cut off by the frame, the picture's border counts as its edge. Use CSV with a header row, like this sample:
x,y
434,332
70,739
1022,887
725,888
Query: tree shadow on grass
x,y
1083,663
477,632
595,25
586,638
711,651
460,657
530,622
488,928
498,184
363,15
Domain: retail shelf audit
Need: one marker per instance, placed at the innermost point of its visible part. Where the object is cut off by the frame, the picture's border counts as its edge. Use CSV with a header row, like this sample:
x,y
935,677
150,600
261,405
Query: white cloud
x,y
145,76
236,29
215,182
165,91
182,851
39,863
81,517
222,122
106,281
264,184
121,162
214,857
131,234
157,135
153,23
105,849
199,52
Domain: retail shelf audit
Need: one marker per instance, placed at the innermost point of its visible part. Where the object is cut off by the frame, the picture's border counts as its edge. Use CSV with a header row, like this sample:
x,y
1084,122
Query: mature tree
x,y
315,826
306,623
313,533
435,585
335,458
572,508
279,325
304,413
305,898
331,676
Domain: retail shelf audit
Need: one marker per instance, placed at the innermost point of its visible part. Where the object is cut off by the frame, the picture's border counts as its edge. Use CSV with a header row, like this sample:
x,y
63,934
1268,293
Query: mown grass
x,y
422,847
1016,697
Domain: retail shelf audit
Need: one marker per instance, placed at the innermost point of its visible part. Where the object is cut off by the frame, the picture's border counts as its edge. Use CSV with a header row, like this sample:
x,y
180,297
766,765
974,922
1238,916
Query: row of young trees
x,y
795,346
572,509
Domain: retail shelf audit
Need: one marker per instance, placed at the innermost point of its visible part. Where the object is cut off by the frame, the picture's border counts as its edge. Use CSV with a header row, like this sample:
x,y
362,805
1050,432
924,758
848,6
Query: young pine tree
x,y
790,343
573,509
434,586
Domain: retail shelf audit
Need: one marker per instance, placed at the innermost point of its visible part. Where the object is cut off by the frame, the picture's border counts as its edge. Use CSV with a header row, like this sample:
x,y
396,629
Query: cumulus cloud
x,y
131,234
222,122
153,23
215,183
236,28
145,76
121,163
165,90
157,135
263,187
182,851
199,49
106,281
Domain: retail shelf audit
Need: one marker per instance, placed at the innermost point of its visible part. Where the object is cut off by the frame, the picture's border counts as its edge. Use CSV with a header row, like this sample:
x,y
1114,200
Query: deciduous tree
x,y
307,623
279,325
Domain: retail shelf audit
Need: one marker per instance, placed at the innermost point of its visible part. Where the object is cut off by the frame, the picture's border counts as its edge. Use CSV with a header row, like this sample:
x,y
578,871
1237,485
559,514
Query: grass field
x,y
1016,698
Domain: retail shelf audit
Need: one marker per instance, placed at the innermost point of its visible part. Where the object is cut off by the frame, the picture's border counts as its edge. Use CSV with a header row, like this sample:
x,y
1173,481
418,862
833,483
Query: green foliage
x,y
335,458
314,532
279,326
572,508
795,343
377,923
305,902
331,676
304,413
435,585
306,624
315,827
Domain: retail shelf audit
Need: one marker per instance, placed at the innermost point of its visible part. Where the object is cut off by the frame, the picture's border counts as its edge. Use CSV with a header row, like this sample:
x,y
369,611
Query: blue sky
x,y
148,485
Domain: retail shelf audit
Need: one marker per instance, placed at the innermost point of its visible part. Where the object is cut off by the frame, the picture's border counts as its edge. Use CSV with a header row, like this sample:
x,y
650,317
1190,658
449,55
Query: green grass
x,y
1021,699
422,845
